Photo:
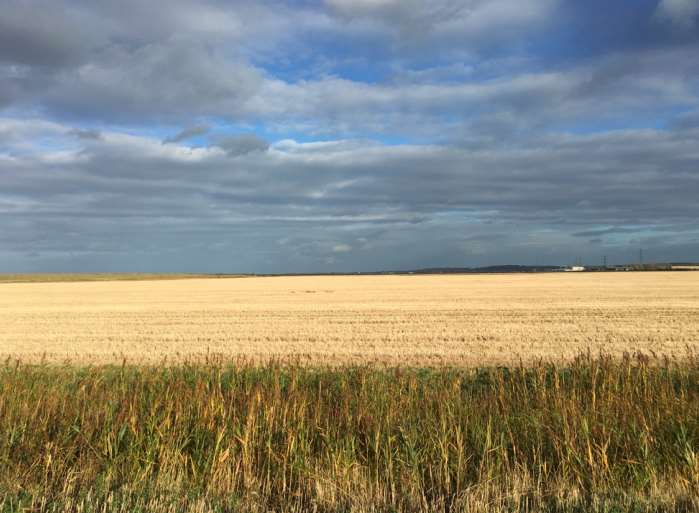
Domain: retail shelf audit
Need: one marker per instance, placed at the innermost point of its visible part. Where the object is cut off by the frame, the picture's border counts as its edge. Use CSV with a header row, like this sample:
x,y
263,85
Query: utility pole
x,y
604,261
640,256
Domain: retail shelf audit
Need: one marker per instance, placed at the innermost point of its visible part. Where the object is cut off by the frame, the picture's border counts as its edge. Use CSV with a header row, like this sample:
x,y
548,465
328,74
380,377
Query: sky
x,y
346,135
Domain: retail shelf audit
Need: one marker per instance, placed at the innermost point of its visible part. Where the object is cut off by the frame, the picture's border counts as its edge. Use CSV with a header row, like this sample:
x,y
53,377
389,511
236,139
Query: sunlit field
x,y
459,320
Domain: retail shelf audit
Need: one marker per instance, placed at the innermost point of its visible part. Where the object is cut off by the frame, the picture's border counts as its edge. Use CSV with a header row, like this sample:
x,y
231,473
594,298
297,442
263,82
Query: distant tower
x,y
604,261
640,256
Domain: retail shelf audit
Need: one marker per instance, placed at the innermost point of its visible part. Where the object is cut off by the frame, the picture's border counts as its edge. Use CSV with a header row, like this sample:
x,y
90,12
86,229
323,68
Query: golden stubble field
x,y
416,320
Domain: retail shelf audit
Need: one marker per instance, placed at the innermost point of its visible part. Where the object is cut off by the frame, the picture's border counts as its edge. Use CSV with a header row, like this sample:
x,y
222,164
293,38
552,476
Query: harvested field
x,y
472,320
73,277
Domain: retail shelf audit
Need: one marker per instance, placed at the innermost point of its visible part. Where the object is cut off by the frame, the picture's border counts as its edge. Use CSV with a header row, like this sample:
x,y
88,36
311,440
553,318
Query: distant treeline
x,y
490,269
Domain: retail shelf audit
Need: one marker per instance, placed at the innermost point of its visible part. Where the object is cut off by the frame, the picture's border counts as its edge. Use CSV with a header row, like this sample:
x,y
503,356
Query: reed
x,y
596,434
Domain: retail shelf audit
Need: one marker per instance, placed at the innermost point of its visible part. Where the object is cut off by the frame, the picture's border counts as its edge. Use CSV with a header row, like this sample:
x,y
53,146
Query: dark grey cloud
x,y
94,60
607,231
85,134
237,145
187,133
45,34
160,81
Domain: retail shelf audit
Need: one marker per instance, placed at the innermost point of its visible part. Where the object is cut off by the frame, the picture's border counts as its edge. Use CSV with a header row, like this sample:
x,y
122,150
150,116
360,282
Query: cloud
x,y
200,204
682,13
238,145
342,248
481,128
242,65
686,120
607,231
603,90
159,81
85,134
42,34
465,19
187,133
92,60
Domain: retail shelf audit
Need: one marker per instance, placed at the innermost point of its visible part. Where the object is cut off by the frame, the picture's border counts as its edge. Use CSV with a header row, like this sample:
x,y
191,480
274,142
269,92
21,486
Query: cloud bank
x,y
346,135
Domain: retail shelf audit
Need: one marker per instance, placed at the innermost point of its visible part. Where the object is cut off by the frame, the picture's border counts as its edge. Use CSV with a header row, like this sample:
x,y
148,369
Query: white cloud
x,y
342,248
598,90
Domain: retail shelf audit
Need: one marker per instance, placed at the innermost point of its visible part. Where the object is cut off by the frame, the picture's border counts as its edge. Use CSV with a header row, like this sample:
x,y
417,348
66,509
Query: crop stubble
x,y
415,319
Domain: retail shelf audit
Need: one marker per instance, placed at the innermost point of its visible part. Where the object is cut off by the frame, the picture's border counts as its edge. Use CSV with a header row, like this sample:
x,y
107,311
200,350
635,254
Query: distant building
x,y
575,268
684,267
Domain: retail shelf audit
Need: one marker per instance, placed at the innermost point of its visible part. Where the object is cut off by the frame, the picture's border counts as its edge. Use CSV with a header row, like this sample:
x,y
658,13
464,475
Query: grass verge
x,y
595,435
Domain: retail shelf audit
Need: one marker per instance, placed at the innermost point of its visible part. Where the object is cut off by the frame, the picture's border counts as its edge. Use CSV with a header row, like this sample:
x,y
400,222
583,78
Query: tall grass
x,y
595,435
